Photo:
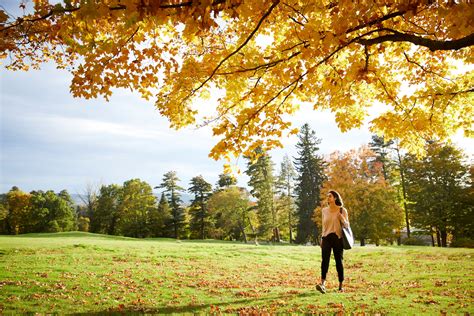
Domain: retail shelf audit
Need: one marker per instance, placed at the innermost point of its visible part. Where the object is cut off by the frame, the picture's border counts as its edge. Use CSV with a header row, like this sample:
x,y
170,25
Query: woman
x,y
332,217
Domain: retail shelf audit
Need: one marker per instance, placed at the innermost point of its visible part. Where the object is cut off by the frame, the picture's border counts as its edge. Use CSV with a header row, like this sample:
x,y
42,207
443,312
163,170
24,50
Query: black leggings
x,y
329,242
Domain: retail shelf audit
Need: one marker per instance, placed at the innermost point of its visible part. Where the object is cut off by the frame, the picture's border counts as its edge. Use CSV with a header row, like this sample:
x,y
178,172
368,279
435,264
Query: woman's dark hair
x,y
337,197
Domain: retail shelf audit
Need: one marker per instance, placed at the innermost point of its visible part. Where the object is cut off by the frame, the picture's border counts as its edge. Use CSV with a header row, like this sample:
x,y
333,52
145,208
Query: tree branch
x,y
260,22
422,67
376,21
433,45
266,66
55,10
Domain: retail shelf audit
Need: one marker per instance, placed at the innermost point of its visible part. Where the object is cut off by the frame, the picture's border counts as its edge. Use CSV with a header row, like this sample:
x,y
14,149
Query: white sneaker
x,y
321,288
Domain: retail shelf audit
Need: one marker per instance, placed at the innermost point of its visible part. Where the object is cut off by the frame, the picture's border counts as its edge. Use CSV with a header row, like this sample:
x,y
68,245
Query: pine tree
x,y
161,219
383,151
199,213
172,189
310,170
262,183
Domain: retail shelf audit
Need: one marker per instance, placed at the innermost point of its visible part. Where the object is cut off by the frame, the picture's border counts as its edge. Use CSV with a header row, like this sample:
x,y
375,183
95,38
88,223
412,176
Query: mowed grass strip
x,y
89,273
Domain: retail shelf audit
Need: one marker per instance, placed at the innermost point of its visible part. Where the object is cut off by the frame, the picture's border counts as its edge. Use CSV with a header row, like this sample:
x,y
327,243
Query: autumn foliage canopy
x,y
407,64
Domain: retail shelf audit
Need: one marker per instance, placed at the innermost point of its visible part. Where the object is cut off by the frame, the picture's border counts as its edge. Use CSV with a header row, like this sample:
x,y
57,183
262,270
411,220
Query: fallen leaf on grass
x,y
336,305
293,292
60,286
428,302
36,296
440,283
413,284
251,293
2,283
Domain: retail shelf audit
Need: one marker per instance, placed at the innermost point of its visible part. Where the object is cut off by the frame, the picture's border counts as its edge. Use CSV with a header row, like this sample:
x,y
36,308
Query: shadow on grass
x,y
262,303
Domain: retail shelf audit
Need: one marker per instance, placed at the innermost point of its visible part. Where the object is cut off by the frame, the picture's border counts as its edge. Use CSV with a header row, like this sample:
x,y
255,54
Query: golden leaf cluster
x,y
414,57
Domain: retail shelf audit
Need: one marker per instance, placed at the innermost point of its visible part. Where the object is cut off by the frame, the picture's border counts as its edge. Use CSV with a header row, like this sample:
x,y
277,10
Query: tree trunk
x,y
276,234
242,229
404,191
362,242
432,232
291,230
444,238
438,238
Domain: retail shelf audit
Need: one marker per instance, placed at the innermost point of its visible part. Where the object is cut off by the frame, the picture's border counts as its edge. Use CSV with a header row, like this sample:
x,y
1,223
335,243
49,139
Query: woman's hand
x,y
343,219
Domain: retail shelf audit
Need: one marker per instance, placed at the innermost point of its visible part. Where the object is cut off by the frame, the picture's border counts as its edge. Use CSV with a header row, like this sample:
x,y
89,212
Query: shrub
x,y
415,241
463,242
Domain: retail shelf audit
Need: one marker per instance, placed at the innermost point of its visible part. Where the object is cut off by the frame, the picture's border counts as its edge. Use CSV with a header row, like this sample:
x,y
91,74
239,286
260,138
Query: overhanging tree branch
x,y
254,31
58,10
432,44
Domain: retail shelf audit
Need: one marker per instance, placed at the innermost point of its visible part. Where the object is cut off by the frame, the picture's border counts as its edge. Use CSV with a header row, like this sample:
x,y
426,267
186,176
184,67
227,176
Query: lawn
x,y
87,273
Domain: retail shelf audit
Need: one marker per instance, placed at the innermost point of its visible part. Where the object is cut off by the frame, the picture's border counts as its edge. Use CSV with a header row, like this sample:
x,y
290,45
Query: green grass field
x,y
86,273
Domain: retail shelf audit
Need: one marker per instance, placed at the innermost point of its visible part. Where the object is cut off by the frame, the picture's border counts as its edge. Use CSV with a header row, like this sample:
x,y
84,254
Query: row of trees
x,y
277,207
435,192
384,190
37,211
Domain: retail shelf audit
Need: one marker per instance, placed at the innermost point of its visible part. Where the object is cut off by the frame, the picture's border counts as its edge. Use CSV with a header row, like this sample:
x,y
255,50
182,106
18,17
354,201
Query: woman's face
x,y
331,199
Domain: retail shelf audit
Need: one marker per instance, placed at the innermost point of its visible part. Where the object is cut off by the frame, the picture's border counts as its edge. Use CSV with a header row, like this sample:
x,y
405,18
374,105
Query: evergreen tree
x,y
285,188
172,189
199,214
106,214
389,156
161,224
262,183
310,170
383,152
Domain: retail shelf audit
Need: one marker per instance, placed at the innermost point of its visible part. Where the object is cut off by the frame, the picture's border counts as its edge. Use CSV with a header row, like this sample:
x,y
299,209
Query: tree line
x,y
386,192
